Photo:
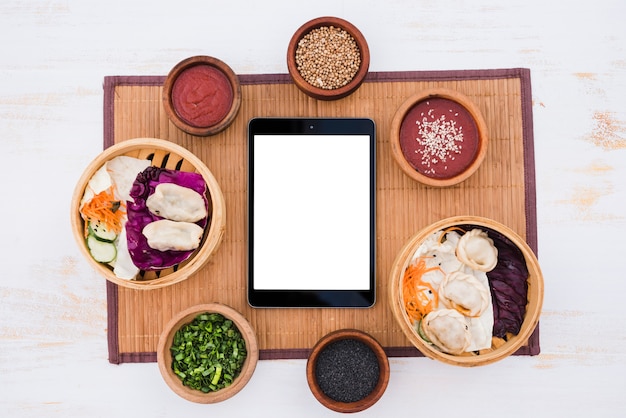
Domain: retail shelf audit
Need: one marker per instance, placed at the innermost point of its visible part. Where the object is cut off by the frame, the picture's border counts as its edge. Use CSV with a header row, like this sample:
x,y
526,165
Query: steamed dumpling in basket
x,y
465,293
448,330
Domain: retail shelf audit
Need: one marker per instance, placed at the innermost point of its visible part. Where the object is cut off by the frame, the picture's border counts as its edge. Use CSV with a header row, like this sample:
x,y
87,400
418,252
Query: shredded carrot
x,y
450,229
419,297
104,207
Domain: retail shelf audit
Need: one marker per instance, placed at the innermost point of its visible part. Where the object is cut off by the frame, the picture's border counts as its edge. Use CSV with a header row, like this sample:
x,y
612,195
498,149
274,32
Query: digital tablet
x,y
311,212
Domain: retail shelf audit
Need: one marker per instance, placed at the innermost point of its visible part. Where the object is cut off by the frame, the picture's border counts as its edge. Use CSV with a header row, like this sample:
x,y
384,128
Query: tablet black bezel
x,y
312,298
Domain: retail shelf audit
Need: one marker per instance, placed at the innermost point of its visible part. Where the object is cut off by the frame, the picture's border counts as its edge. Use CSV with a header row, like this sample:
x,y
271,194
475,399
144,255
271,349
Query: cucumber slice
x,y
420,332
101,232
101,251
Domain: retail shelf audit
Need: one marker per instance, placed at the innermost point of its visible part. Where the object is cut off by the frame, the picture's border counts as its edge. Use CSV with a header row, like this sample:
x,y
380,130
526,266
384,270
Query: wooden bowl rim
x,y
216,228
533,308
316,92
169,85
445,93
164,356
383,364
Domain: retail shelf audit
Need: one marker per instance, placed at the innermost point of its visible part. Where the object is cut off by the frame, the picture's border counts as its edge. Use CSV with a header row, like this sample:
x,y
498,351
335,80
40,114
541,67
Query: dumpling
x,y
448,330
167,235
465,293
177,203
123,171
476,250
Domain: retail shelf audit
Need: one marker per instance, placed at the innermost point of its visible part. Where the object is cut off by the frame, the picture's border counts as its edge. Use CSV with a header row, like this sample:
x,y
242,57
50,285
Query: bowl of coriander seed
x,y
328,58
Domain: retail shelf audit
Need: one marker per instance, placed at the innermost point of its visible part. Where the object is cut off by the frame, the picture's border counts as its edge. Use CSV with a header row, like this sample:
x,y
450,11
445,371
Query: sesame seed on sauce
x,y
439,138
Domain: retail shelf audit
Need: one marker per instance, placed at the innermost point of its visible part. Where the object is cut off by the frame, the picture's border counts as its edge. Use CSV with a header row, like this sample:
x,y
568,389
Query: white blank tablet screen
x,y
311,212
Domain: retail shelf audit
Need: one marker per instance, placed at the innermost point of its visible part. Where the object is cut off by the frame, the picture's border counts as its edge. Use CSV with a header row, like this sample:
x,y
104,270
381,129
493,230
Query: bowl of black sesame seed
x,y
438,137
328,58
347,370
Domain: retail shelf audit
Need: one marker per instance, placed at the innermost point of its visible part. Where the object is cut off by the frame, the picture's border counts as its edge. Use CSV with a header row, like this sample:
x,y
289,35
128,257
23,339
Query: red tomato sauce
x,y
202,96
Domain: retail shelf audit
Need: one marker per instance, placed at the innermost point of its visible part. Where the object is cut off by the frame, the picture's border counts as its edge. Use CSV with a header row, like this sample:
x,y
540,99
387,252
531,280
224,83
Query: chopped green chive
x,y
208,353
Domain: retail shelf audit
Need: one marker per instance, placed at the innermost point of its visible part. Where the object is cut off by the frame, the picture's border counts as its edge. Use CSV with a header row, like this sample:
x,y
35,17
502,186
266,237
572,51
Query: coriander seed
x,y
328,57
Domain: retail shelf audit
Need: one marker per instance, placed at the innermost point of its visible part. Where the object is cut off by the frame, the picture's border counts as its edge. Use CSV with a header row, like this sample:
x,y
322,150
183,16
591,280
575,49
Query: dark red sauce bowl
x,y
202,95
438,137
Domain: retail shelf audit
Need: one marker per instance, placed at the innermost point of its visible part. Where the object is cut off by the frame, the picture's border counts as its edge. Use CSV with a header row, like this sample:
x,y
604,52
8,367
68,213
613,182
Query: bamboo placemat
x,y
502,189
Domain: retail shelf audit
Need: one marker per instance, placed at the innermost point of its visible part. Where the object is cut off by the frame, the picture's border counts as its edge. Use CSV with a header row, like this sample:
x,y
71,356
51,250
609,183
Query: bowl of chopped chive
x,y
328,58
207,353
347,371
438,137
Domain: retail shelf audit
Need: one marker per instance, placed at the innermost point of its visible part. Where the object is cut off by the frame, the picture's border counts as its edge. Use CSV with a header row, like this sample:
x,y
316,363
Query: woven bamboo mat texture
x,y
502,189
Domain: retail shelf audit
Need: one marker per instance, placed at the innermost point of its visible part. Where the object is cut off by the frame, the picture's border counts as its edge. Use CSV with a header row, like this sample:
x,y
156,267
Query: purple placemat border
x,y
111,82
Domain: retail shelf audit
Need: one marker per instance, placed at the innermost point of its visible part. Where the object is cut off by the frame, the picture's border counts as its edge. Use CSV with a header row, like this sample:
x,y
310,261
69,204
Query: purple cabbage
x,y
508,284
144,257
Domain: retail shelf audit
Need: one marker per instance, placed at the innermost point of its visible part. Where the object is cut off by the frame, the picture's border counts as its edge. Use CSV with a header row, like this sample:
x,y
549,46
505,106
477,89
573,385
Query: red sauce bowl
x,y
202,95
438,137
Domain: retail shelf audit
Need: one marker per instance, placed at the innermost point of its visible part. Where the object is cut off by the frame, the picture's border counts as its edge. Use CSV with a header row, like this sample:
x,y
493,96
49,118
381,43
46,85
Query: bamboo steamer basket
x,y
164,355
498,350
168,155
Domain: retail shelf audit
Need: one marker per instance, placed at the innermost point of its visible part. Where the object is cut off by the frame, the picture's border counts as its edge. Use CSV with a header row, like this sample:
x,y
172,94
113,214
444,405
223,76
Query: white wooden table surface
x,y
53,58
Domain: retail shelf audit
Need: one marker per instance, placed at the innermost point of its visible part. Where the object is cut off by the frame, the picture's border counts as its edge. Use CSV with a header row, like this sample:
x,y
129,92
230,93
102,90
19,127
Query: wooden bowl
x,y
500,348
360,337
330,93
163,154
435,159
202,95
164,355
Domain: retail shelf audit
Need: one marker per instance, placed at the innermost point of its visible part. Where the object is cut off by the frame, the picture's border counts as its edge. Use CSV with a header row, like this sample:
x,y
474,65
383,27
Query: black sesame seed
x,y
347,370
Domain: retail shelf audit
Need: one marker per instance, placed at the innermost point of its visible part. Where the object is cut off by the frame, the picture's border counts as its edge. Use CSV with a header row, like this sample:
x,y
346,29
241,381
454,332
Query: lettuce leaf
x,y
144,257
